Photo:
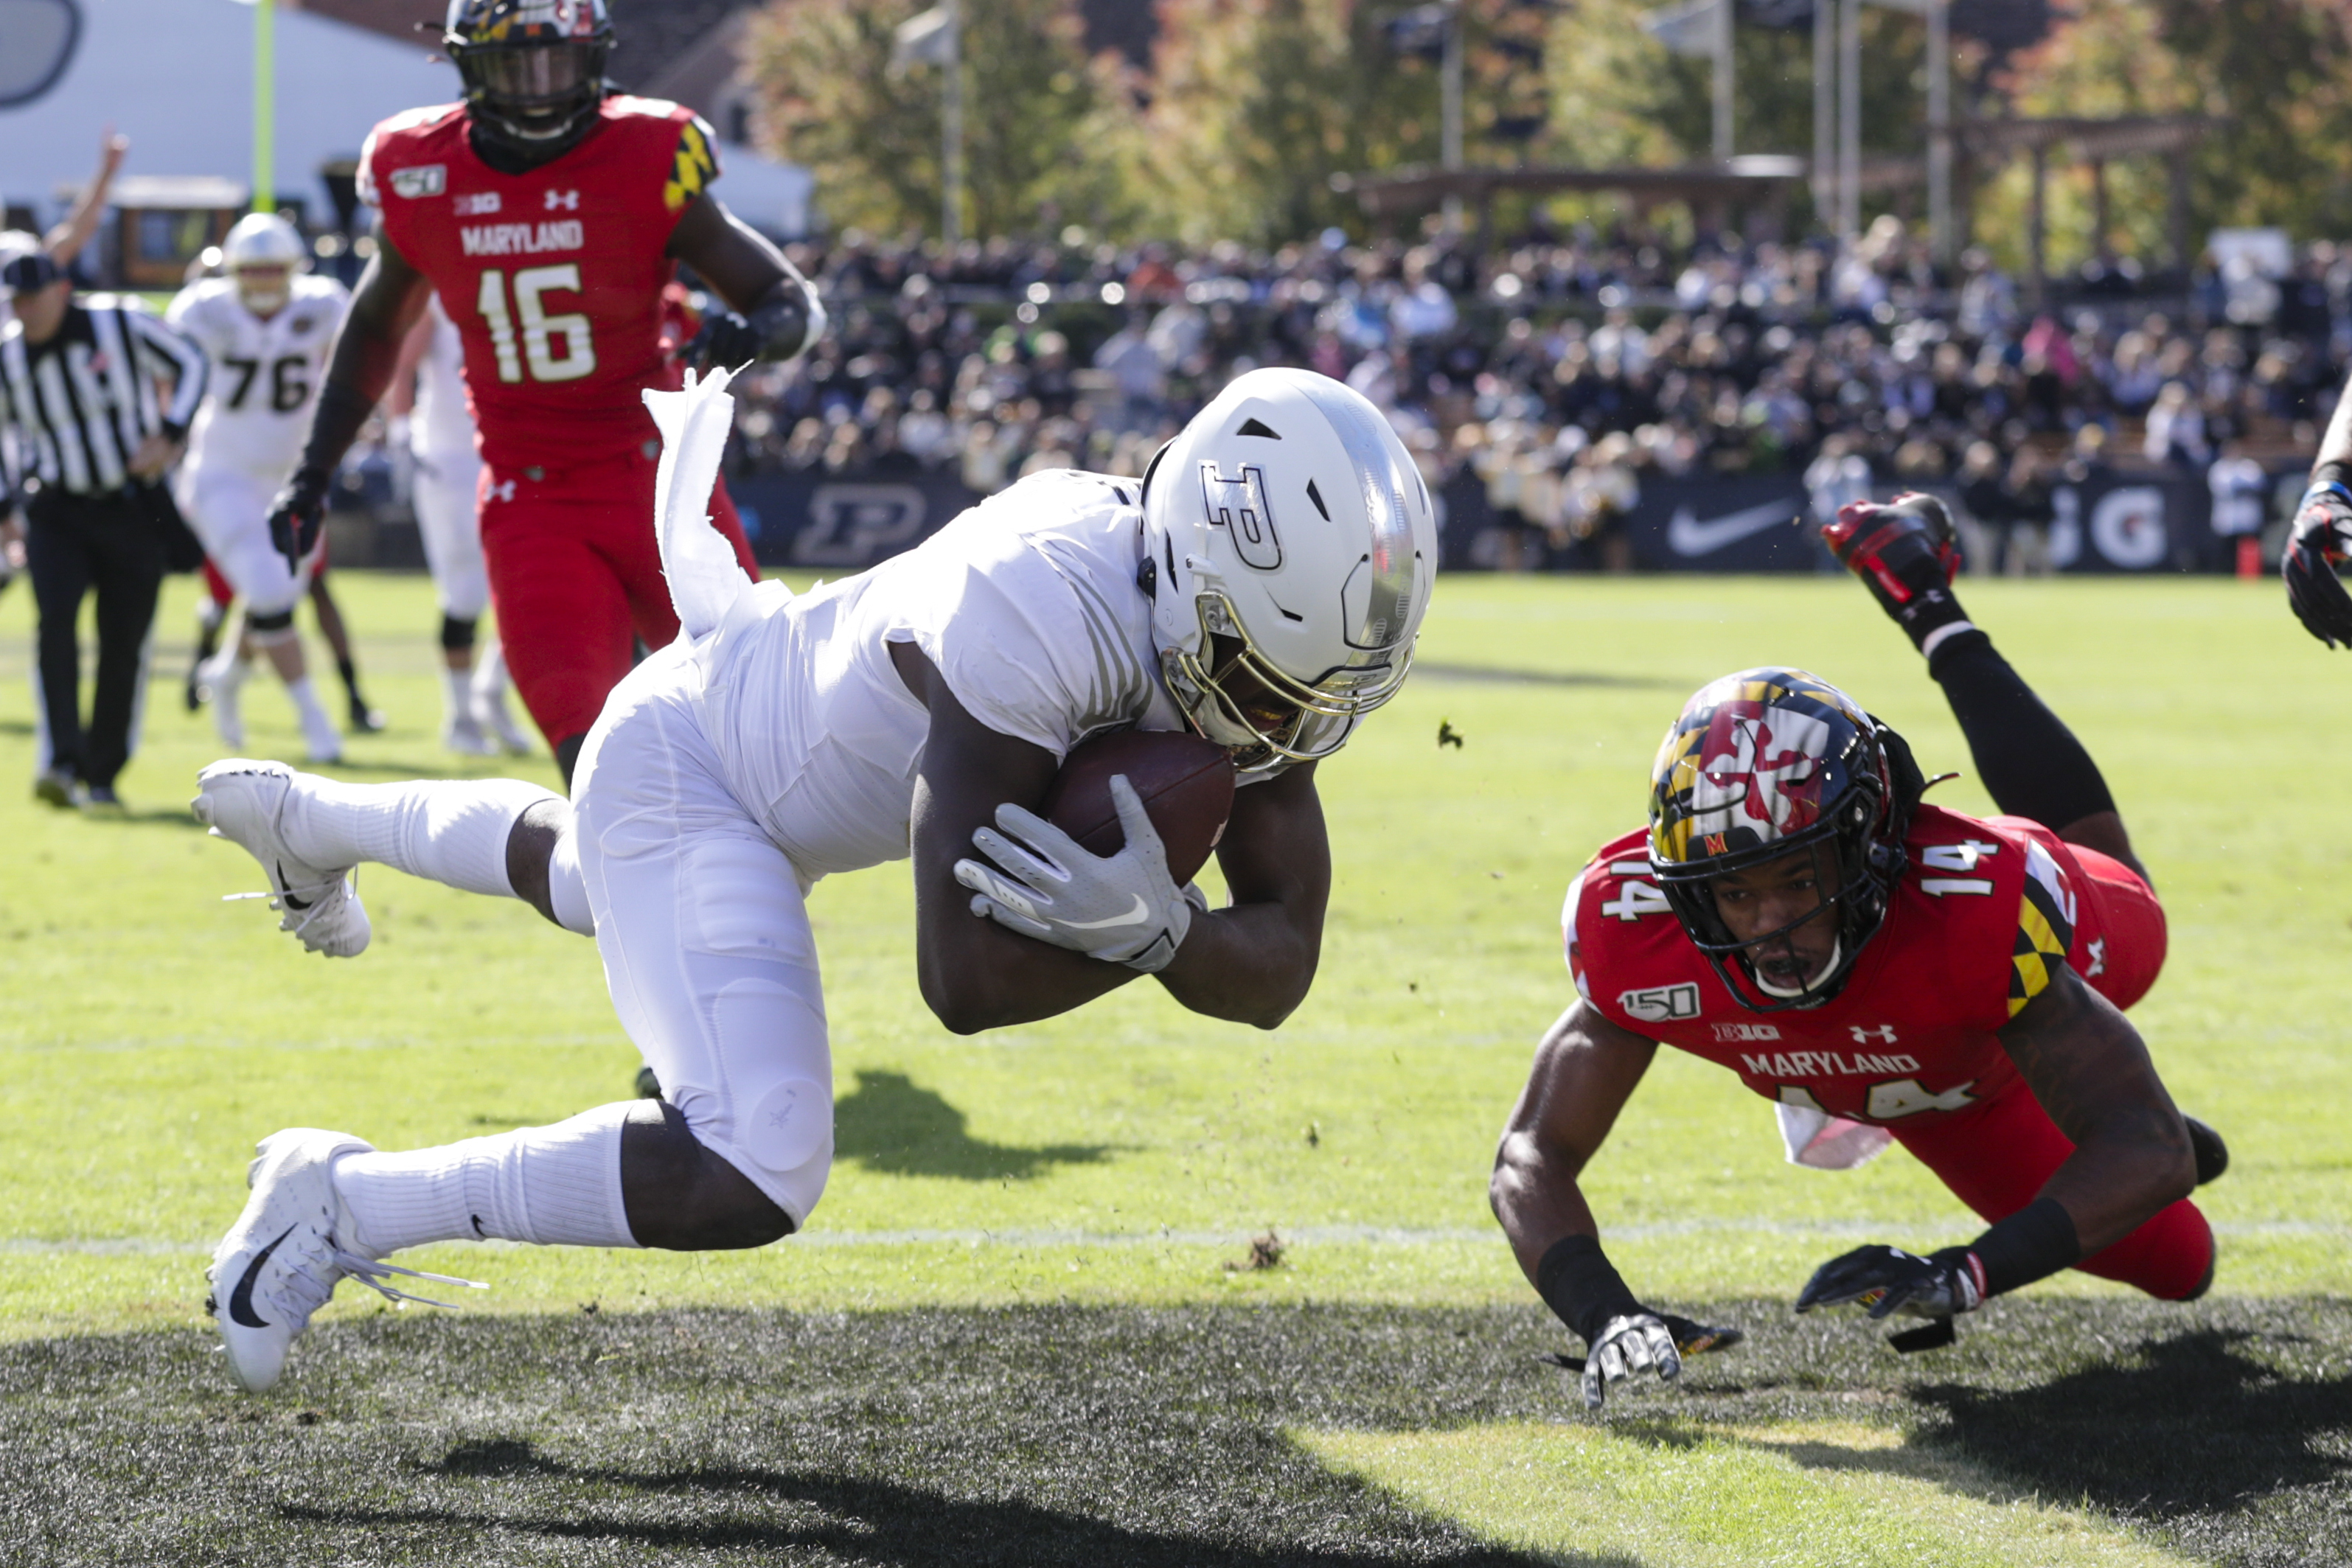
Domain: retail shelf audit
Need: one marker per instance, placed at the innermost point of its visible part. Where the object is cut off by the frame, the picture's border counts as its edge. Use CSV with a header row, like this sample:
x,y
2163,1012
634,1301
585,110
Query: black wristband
x,y
2329,474
1582,1287
783,321
2032,1244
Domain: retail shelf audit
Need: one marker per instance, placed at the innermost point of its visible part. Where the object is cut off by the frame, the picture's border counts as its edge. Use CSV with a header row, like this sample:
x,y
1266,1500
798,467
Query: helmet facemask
x,y
528,92
1845,860
264,287
1774,767
1242,700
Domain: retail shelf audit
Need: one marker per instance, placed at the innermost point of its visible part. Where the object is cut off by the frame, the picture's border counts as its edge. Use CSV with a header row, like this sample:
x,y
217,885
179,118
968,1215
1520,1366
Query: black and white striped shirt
x,y
80,404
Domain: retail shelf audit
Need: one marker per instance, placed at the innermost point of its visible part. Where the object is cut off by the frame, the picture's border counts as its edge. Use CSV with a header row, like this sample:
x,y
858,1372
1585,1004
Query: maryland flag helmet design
x,y
1768,763
534,70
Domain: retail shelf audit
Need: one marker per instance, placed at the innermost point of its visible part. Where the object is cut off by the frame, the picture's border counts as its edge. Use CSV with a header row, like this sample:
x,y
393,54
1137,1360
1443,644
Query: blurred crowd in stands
x,y
1564,369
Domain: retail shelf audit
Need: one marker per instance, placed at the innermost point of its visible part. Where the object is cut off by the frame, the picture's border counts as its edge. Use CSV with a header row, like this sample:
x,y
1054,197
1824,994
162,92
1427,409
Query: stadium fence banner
x,y
844,522
2109,522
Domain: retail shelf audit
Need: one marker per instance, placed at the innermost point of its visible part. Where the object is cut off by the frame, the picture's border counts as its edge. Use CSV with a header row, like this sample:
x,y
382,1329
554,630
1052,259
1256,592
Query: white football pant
x,y
704,930
229,511
443,492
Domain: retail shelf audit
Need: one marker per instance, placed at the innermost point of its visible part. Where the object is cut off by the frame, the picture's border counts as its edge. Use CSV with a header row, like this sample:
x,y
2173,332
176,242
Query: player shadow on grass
x,y
891,1123
2188,1425
862,1518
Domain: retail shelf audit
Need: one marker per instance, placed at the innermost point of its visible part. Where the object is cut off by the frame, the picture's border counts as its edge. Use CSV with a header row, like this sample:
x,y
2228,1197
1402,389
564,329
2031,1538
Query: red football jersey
x,y
1987,910
553,277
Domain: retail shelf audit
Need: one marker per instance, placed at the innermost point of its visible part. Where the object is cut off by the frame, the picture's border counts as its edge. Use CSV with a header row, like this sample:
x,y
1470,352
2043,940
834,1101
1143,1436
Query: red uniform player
x,y
550,217
1882,970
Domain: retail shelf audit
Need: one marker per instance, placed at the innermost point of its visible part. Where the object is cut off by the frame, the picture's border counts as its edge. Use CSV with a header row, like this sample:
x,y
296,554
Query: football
x,y
1186,784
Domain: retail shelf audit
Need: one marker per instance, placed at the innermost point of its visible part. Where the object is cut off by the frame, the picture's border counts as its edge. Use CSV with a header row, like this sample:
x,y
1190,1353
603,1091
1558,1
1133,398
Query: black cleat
x,y
2212,1154
365,720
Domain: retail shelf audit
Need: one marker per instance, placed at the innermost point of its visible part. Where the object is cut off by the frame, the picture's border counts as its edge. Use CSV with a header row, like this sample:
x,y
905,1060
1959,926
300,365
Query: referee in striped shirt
x,y
99,395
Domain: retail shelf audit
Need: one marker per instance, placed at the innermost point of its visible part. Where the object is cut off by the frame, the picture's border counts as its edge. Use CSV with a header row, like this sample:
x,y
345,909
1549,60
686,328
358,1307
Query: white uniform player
x,y
780,739
446,472
268,327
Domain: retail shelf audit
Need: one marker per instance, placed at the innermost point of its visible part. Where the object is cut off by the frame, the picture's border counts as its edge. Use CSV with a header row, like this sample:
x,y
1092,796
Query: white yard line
x,y
1304,1236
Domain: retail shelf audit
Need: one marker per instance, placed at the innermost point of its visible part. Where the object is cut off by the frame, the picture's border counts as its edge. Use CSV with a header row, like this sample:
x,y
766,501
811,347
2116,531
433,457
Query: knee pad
x,y
457,633
778,1130
270,630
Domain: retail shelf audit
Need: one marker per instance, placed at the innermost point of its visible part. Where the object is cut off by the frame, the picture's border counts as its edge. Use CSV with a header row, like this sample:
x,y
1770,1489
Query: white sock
x,y
551,1187
307,708
452,831
457,693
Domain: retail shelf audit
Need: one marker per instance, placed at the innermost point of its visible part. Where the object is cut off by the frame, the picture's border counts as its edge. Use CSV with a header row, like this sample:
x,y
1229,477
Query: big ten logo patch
x,y
1238,506
1661,1004
857,525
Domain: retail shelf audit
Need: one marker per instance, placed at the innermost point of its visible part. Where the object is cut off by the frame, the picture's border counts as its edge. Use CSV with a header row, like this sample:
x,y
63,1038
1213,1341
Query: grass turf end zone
x,y
2056,1432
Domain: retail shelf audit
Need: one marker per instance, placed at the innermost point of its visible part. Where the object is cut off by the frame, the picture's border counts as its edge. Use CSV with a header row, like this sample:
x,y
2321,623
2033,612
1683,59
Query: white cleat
x,y
240,800
281,1261
463,735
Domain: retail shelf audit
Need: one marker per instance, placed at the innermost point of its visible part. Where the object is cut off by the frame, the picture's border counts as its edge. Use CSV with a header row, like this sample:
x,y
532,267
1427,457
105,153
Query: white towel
x,y
705,578
1829,1142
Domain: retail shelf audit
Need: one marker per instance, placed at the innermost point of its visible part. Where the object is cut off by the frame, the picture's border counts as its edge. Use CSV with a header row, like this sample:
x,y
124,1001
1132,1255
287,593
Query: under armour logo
x,y
2098,958
567,200
501,491
1884,1034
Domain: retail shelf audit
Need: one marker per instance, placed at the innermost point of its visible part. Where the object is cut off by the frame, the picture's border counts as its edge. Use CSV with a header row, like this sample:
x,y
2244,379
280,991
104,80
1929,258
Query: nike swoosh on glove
x,y
1888,1279
1122,908
2321,542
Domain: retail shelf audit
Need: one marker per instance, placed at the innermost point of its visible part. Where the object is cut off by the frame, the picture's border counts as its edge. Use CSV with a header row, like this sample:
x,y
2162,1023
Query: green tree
x,y
2271,74
1256,104
1041,120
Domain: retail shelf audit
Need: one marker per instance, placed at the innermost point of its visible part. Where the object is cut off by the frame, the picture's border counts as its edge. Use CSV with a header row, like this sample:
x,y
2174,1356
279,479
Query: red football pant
x,y
1996,1156
2119,930
574,573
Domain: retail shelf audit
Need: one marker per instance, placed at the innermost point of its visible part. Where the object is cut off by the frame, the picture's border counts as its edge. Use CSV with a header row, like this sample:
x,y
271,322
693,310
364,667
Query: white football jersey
x,y
442,426
265,373
1027,604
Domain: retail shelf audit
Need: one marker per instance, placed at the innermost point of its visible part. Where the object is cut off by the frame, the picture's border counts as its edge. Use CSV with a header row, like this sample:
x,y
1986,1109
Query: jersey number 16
x,y
539,330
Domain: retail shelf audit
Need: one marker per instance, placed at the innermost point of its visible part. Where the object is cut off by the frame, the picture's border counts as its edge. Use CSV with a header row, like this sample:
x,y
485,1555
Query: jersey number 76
x,y
539,330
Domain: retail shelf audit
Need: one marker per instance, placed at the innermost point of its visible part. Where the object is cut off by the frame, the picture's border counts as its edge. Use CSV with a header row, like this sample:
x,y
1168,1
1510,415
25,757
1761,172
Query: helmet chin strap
x,y
1837,949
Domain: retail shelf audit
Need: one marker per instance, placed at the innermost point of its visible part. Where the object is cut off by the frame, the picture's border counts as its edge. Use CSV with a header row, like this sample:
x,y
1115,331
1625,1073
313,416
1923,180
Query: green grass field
x,y
1013,1318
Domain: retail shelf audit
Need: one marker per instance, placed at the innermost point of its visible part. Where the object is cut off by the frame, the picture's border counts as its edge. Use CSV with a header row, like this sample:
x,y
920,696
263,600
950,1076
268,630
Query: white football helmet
x,y
261,255
1290,547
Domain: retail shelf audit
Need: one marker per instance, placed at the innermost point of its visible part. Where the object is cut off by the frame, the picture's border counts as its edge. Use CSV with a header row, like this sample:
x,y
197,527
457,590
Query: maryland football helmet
x,y
1766,763
262,254
534,70
1290,549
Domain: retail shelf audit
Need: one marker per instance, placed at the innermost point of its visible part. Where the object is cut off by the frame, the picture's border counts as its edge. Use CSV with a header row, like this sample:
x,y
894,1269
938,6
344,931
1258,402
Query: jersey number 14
x,y
540,332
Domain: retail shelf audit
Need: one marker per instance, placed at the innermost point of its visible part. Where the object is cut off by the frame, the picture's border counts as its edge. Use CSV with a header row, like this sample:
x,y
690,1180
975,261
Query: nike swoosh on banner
x,y
240,1301
1685,535
1136,916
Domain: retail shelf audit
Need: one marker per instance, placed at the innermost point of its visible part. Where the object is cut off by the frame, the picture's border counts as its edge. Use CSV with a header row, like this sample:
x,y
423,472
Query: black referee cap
x,y
33,271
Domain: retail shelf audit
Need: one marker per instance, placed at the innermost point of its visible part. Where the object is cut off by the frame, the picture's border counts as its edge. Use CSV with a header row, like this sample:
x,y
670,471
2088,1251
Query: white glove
x,y
1123,908
1627,1345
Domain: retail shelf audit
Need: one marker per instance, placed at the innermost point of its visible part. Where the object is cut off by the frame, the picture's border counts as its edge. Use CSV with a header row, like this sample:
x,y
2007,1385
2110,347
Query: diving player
x,y
427,405
266,326
548,216
1262,587
1879,968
